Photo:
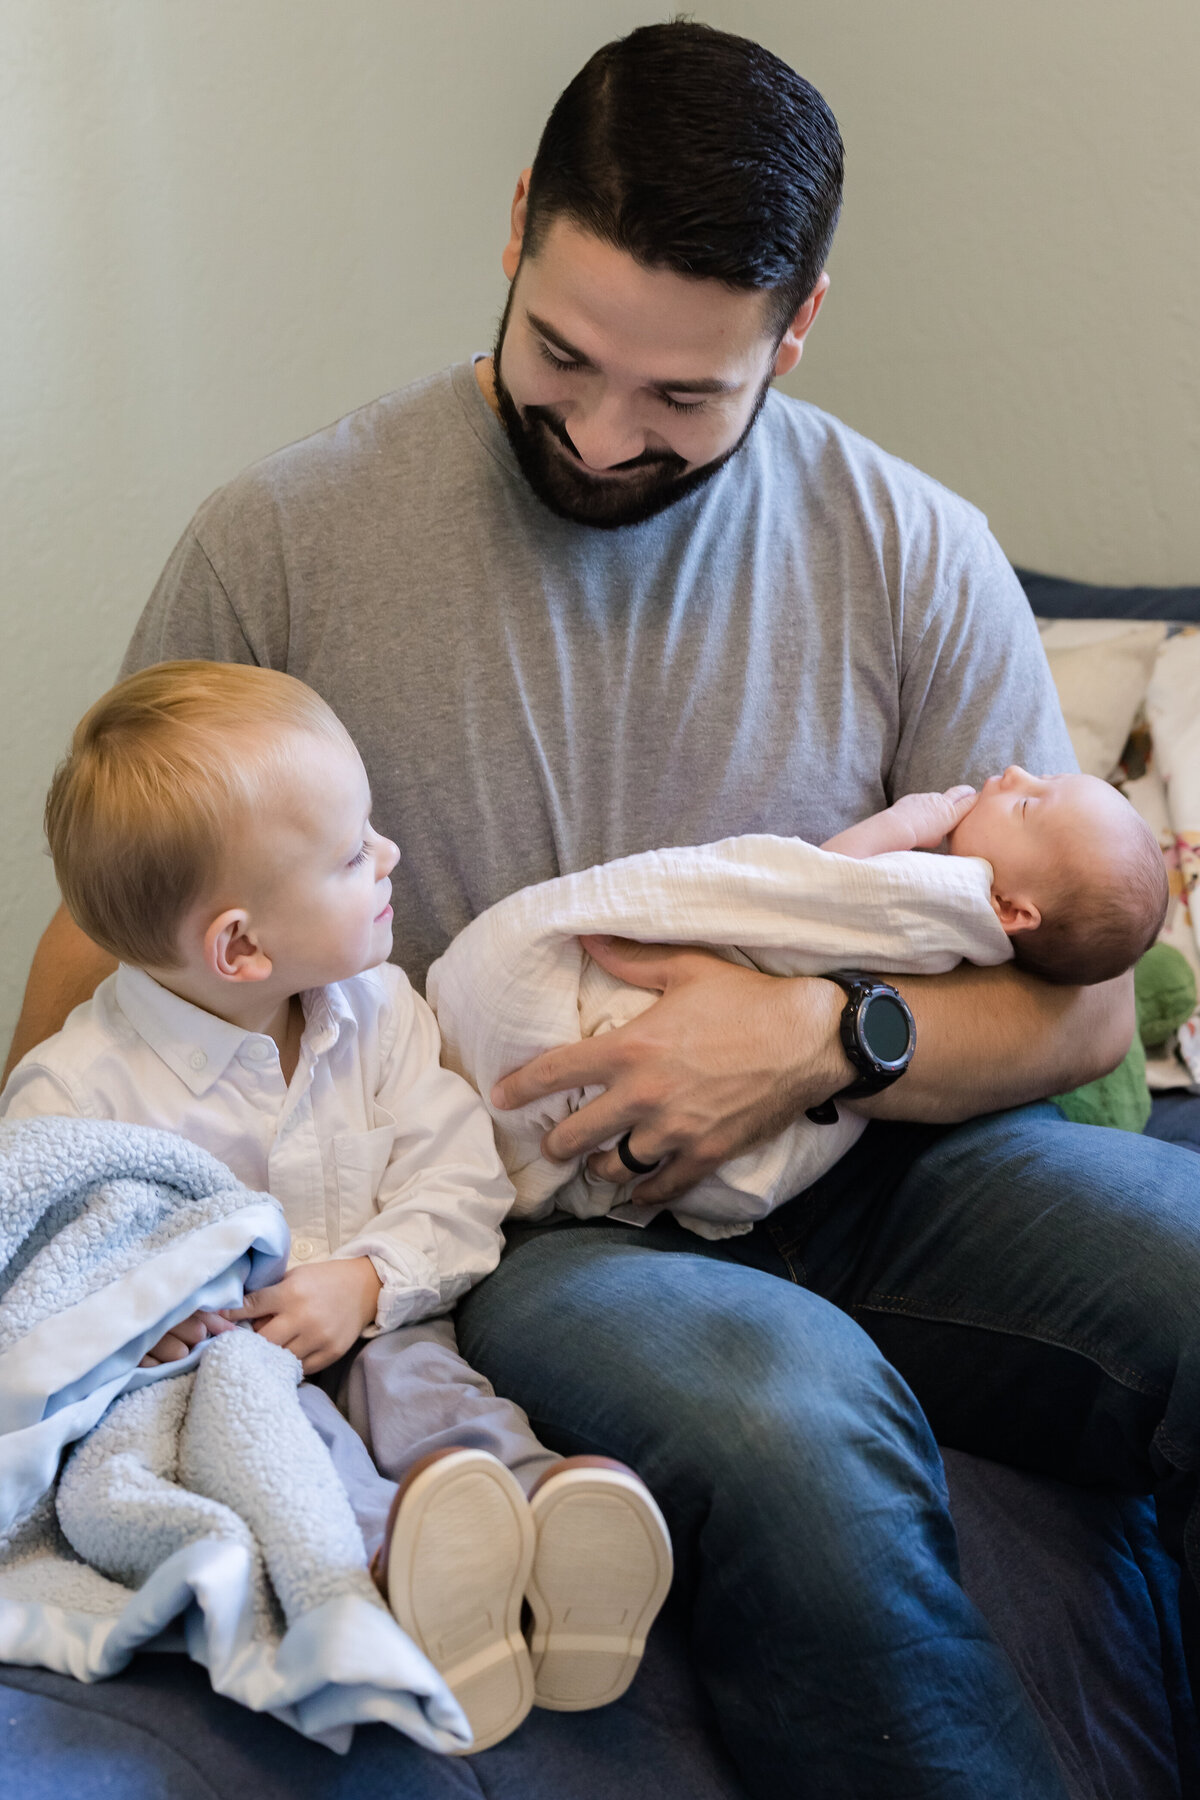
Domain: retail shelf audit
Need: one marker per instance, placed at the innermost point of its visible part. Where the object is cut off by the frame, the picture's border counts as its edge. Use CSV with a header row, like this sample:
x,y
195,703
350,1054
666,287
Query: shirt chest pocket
x,y
360,1159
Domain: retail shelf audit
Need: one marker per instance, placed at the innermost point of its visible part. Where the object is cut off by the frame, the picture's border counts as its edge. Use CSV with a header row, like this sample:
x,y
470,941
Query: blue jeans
x,y
1035,1284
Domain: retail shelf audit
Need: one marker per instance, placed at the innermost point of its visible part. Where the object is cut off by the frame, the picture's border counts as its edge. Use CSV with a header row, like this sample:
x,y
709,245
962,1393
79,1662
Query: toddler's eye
x,y
360,858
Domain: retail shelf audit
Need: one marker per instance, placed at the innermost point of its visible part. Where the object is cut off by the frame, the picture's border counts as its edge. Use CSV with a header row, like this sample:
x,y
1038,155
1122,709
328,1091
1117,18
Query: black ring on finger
x,y
631,1161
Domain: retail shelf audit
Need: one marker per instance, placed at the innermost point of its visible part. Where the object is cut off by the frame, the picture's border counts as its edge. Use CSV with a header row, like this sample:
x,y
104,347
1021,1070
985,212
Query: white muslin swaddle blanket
x,y
516,982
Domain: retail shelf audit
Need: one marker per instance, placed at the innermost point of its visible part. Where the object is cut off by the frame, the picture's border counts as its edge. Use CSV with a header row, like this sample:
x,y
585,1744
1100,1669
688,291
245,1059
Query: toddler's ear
x,y
231,948
1016,914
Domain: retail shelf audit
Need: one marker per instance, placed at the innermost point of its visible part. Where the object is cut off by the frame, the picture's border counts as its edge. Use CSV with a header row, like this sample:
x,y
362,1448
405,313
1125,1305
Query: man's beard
x,y
553,468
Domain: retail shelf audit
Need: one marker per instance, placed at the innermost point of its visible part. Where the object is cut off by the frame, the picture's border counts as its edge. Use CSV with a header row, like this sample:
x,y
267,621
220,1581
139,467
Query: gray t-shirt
x,y
816,631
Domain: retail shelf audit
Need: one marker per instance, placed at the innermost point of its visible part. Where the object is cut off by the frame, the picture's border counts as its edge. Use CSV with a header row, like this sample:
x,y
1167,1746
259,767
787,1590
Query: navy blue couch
x,y
1074,1584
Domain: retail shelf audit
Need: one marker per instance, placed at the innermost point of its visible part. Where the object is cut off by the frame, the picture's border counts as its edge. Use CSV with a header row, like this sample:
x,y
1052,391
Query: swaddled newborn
x,y
1038,863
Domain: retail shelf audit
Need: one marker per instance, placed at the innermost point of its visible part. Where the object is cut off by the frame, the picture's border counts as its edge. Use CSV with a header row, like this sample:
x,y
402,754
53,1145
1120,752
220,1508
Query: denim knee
x,y
806,1502
753,1408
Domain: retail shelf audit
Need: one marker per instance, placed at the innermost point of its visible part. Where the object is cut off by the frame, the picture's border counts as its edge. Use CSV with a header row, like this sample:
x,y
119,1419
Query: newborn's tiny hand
x,y
931,817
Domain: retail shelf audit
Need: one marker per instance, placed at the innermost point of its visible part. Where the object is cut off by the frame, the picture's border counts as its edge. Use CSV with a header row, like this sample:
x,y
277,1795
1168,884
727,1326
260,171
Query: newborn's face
x,y
1032,827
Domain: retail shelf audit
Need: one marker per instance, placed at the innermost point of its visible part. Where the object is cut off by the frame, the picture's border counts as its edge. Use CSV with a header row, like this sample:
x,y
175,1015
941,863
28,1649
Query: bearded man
x,y
606,590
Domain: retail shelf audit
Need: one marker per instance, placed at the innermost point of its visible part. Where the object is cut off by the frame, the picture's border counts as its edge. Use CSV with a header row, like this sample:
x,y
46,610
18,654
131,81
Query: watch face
x,y
885,1029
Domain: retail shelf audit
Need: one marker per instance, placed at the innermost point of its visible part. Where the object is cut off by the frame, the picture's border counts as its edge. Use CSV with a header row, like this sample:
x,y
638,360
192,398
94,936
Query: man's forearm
x,y
67,967
993,1038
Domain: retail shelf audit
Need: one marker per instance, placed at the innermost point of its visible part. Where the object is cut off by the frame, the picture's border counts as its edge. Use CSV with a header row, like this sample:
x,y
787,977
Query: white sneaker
x,y
601,1571
453,1568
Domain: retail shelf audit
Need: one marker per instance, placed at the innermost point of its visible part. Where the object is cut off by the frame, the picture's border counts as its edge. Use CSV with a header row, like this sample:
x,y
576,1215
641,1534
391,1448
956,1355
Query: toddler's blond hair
x,y
162,770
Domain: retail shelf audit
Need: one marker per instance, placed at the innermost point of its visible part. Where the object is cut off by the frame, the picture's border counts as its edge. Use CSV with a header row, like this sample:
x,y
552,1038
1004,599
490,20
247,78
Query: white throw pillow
x,y
1101,668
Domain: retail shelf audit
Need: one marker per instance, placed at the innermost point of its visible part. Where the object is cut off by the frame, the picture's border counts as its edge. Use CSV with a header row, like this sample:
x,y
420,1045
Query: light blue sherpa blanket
x,y
196,1492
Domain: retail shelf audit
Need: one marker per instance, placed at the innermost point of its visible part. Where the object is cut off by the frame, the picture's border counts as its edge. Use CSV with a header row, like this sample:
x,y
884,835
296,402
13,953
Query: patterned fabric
x,y
1173,713
1140,684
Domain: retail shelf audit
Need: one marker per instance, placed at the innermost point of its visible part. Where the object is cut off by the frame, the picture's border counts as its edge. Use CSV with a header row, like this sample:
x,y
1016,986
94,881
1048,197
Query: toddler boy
x,y
211,829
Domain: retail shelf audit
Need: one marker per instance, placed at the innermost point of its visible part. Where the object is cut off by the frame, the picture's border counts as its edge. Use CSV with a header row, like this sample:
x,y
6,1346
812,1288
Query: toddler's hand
x,y
315,1312
931,817
182,1339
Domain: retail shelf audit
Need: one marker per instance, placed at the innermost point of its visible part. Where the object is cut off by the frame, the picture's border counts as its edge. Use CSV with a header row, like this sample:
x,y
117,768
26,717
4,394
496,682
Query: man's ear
x,y
231,948
1016,914
791,345
512,250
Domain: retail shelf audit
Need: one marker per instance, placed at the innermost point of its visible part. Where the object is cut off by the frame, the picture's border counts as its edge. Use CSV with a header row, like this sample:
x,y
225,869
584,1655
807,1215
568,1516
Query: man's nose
x,y
605,435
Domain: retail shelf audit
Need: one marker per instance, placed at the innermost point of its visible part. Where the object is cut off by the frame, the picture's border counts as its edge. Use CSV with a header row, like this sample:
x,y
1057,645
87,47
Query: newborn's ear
x,y
1016,914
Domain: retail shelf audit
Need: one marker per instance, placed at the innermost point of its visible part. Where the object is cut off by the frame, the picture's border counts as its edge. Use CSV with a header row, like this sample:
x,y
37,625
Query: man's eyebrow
x,y
558,340
705,385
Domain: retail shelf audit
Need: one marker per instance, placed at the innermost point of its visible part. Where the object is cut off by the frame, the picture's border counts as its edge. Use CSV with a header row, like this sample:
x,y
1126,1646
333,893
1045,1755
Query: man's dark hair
x,y
696,151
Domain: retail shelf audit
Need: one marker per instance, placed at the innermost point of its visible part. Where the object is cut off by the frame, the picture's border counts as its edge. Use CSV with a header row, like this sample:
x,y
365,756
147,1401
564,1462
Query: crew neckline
x,y
479,415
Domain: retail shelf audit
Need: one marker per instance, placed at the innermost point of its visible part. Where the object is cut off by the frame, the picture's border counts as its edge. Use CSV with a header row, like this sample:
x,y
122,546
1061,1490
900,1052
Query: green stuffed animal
x,y
1165,990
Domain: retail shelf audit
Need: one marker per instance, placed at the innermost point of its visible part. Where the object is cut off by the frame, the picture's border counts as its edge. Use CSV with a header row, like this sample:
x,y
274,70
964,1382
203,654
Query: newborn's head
x,y
1077,877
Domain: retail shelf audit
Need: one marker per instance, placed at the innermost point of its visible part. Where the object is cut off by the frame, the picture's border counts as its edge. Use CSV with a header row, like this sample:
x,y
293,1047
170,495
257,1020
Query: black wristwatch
x,y
878,1034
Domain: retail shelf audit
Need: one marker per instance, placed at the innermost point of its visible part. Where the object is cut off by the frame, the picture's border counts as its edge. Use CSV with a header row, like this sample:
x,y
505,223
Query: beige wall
x,y
224,222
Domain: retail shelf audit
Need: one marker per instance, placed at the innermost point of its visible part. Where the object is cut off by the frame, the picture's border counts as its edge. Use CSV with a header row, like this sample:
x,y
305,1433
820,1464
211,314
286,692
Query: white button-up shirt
x,y
372,1149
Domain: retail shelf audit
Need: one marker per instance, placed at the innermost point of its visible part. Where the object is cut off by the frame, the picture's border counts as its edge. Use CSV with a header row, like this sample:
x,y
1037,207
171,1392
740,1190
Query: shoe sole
x,y
457,1566
601,1571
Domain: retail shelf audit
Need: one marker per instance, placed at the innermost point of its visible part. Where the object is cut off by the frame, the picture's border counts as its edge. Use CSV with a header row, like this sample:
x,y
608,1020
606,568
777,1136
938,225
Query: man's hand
x,y
725,1058
315,1312
182,1339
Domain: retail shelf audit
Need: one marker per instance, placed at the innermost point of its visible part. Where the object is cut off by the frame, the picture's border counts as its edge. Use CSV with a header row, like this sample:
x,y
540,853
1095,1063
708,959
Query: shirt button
x,y
198,1059
258,1052
302,1249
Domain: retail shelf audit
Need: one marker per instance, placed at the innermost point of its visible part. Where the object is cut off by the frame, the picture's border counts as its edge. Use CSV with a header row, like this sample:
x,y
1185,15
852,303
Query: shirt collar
x,y
194,1044
199,1047
327,1013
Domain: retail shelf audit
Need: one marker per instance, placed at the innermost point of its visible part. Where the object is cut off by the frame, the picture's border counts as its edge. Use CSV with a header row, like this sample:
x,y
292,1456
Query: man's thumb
x,y
642,965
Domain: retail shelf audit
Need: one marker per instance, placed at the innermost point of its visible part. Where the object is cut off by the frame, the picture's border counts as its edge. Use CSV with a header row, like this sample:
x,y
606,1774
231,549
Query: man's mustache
x,y
649,459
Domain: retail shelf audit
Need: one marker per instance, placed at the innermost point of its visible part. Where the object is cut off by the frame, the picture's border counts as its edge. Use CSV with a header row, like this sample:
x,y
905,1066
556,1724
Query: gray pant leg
x,y
408,1392
369,1493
